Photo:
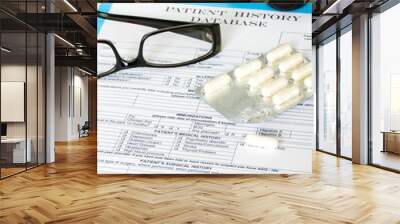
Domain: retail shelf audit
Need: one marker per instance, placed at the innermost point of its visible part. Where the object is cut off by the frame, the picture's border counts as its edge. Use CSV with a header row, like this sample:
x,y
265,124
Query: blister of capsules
x,y
261,88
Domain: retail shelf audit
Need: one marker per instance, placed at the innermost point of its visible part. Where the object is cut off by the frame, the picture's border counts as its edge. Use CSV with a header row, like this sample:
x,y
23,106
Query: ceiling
x,y
333,15
74,22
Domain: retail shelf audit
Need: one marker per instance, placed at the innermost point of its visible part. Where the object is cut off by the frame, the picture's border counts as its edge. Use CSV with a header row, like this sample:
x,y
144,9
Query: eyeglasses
x,y
287,5
145,42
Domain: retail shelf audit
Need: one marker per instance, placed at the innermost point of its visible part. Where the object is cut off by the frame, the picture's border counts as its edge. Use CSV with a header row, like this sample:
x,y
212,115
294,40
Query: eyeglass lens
x,y
125,37
178,45
106,59
172,47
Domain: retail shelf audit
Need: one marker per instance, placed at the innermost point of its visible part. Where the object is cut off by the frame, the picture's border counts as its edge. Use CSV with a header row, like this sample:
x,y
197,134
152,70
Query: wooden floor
x,y
5,172
70,191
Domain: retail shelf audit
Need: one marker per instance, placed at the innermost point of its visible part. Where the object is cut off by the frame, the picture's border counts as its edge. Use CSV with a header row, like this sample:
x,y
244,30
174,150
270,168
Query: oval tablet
x,y
216,84
260,77
291,62
242,72
263,141
285,95
279,52
271,87
302,71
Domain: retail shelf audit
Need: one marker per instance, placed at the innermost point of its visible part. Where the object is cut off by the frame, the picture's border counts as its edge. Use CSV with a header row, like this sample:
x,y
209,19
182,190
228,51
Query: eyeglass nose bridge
x,y
125,63
136,62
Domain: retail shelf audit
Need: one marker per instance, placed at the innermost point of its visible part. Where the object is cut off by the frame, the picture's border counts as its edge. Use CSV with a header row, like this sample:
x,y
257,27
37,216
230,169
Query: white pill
x,y
271,87
291,62
216,84
287,105
267,100
260,77
308,82
301,72
263,141
279,52
283,74
276,63
285,95
242,72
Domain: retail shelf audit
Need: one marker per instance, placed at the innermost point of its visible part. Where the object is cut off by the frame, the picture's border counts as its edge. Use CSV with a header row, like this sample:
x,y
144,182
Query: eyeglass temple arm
x,y
155,23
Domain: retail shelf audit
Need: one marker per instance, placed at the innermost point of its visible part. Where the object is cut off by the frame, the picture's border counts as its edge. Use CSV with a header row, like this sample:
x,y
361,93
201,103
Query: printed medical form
x,y
151,121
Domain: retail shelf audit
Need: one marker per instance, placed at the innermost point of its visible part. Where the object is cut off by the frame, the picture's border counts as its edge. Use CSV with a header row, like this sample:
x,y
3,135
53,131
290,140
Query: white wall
x,y
62,82
33,126
12,73
13,100
9,73
80,108
71,102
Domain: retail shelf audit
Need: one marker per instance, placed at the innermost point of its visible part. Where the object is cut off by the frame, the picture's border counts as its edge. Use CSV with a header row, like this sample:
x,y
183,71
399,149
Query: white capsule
x,y
291,62
217,84
279,52
262,141
242,72
308,82
271,87
285,95
260,77
301,72
288,104
283,74
267,100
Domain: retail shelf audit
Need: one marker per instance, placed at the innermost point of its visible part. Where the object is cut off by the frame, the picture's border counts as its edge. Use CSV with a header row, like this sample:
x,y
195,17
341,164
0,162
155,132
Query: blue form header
x,y
307,8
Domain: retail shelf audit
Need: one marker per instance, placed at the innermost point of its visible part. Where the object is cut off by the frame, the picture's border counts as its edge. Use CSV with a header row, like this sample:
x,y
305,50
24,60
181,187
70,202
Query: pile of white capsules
x,y
261,88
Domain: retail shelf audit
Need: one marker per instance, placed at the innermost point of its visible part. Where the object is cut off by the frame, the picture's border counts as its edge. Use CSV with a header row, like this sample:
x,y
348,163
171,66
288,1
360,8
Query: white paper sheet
x,y
150,120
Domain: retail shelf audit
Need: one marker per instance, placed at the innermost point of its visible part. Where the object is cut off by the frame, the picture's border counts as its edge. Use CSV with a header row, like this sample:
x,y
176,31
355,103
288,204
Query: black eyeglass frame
x,y
162,26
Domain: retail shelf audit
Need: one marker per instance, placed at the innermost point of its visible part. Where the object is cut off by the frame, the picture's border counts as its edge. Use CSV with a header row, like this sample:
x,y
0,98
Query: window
x,y
327,96
385,89
346,93
22,77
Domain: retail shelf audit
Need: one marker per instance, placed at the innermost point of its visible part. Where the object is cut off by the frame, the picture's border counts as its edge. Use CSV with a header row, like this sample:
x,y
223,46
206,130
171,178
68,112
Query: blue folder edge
x,y
307,8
